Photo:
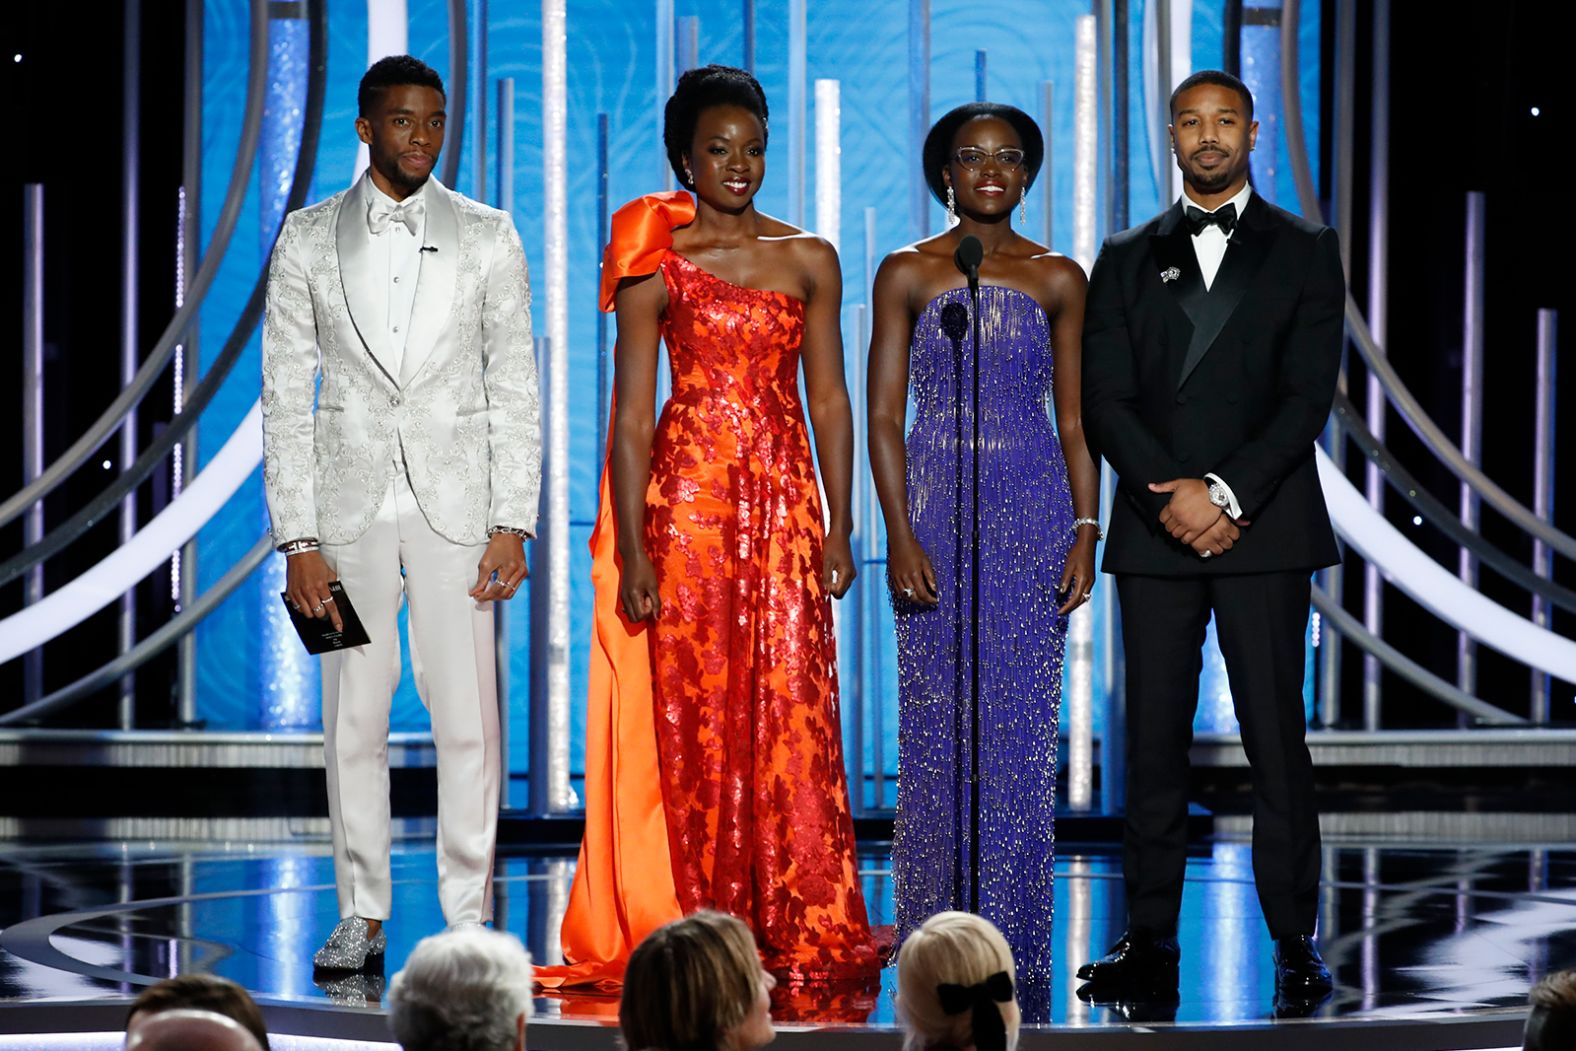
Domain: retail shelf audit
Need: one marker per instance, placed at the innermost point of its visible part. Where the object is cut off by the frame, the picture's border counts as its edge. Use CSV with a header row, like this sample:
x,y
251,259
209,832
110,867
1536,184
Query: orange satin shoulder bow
x,y
642,232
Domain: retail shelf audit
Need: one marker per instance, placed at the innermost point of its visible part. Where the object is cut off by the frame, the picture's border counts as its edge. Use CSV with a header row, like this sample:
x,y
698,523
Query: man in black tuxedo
x,y
1212,340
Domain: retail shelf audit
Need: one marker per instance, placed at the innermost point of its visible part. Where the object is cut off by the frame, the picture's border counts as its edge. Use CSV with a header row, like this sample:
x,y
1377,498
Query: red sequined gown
x,y
744,660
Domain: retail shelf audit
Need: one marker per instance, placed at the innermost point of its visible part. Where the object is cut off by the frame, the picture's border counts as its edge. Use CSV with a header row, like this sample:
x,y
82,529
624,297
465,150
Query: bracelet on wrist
x,y
523,534
1079,523
298,546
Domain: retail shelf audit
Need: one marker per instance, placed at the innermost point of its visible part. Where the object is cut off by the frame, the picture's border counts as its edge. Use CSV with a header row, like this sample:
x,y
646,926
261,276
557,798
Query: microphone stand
x,y
970,254
974,607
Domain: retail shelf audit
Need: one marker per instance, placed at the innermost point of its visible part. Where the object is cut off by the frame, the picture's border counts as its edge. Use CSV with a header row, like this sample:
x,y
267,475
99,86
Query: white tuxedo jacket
x,y
463,407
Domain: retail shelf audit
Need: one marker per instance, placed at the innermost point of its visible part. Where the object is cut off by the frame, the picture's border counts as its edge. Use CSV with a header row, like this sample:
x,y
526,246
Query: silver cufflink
x,y
1169,274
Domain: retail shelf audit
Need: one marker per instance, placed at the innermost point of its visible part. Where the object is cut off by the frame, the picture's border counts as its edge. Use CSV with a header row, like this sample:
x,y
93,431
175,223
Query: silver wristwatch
x,y
1218,496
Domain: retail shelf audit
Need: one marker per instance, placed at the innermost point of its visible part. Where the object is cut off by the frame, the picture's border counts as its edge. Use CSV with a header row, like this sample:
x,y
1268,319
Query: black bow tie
x,y
1224,217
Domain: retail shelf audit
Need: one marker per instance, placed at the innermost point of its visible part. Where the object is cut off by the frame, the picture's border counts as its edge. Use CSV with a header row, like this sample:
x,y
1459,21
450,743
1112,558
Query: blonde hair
x,y
954,948
688,983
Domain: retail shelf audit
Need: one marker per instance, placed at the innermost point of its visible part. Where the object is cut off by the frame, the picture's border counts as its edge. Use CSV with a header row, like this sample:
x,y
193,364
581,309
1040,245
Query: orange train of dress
x,y
718,782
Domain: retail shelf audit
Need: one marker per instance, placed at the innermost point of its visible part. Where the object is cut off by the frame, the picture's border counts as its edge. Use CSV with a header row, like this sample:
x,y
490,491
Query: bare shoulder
x,y
1058,278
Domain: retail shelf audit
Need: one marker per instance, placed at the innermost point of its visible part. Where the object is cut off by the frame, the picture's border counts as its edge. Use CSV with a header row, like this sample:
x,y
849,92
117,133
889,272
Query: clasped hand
x,y
1191,518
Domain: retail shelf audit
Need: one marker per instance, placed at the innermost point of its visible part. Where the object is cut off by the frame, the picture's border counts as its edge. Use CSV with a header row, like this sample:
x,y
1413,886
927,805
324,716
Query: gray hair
x,y
461,991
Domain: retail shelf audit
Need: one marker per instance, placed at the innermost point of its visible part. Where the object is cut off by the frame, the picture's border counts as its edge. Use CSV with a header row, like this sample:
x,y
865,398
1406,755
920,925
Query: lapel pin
x,y
1169,274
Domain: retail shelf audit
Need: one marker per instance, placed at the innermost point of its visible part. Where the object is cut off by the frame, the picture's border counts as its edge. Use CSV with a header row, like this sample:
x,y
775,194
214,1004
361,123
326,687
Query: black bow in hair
x,y
990,1029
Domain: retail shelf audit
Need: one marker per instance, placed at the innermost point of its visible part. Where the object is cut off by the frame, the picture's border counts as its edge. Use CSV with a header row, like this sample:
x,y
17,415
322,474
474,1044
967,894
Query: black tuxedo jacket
x,y
1179,382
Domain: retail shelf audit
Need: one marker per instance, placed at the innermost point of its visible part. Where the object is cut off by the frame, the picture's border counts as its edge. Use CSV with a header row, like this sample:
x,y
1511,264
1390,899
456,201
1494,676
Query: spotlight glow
x,y
106,465
1537,111
1417,520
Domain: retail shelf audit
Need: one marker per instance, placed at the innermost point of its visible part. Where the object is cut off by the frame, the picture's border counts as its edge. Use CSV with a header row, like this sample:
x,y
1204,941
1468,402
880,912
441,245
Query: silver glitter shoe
x,y
348,948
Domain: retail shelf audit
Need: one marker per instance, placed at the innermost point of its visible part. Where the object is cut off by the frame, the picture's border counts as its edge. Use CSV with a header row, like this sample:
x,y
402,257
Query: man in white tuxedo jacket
x,y
410,471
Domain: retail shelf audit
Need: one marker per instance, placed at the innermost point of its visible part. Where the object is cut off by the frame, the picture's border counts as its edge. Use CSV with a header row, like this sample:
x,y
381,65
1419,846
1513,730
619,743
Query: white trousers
x,y
451,652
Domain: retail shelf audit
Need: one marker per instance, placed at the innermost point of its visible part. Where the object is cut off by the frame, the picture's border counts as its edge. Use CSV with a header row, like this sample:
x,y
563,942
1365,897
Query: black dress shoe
x,y
1299,969
1141,959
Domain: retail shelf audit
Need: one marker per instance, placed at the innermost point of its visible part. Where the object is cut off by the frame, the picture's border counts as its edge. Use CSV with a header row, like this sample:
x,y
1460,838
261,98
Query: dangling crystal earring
x,y
689,178
1023,208
952,207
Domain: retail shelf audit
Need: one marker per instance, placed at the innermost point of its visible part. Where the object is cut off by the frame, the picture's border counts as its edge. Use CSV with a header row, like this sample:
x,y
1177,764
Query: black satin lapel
x,y
1244,253
1176,268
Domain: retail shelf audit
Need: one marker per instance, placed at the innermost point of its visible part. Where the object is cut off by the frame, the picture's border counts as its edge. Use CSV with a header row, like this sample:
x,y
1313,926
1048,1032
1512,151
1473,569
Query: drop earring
x,y
689,178
1023,207
952,207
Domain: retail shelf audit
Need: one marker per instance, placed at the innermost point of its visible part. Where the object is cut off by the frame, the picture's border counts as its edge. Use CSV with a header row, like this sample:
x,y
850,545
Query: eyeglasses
x,y
973,158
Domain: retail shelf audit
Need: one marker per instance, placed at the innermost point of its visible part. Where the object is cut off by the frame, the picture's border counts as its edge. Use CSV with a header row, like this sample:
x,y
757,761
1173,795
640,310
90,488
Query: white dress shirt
x,y
1209,246
398,253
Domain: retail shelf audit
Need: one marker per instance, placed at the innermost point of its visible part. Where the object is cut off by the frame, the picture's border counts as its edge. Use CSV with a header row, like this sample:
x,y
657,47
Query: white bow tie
x,y
382,213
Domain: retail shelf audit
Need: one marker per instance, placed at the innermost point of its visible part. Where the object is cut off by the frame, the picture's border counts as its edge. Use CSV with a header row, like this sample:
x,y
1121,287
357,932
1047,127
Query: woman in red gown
x,y
714,767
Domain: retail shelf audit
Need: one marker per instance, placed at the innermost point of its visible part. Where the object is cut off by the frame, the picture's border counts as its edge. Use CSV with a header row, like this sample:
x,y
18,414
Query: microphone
x,y
968,257
954,322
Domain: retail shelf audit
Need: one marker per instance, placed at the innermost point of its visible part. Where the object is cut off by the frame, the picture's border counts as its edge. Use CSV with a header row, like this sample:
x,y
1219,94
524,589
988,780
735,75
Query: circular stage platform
x,y
1431,947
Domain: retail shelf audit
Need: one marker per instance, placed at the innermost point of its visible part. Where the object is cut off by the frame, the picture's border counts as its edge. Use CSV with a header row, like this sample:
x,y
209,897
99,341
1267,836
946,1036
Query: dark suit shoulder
x,y
1306,227
1136,234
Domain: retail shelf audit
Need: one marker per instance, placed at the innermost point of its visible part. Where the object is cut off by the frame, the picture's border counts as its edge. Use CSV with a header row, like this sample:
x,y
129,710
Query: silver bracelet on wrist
x,y
523,534
298,546
1099,534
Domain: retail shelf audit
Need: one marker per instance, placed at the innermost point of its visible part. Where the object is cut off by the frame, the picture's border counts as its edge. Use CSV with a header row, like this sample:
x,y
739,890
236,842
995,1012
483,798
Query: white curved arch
x,y
64,609
1438,590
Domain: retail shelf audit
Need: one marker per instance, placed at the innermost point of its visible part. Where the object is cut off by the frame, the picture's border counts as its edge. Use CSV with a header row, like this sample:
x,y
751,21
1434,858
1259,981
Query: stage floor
x,y
1431,947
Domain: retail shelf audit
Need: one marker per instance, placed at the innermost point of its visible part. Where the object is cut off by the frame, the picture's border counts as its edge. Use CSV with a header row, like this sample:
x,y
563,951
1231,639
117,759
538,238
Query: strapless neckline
x,y
940,296
724,281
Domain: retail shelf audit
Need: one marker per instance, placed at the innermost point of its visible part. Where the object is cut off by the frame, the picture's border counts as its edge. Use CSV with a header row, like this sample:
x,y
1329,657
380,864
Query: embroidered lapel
x,y
358,277
435,284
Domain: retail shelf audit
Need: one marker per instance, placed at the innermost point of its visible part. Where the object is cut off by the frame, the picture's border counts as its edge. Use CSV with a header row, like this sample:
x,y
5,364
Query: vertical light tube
x,y
828,161
1103,16
1047,167
555,182
796,107
874,556
1379,325
503,612
1543,489
504,182
852,626
687,43
1086,141
1471,416
1327,643
918,113
187,371
1155,76
1119,123
666,78
602,220
1180,40
33,411
388,33
980,83
288,676
747,16
130,185
1078,703
478,94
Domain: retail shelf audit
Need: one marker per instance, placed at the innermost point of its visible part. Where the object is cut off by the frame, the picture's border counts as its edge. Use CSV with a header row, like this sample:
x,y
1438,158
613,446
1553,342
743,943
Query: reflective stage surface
x,y
1420,939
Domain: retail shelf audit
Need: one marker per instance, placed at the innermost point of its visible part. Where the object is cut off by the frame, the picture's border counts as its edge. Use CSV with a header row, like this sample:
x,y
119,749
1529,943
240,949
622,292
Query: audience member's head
x,y
697,985
1552,1023
463,990
955,986
182,1029
199,992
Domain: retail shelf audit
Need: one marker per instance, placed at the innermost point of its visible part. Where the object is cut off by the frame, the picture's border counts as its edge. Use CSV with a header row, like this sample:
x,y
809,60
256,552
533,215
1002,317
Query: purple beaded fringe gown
x,y
1025,531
